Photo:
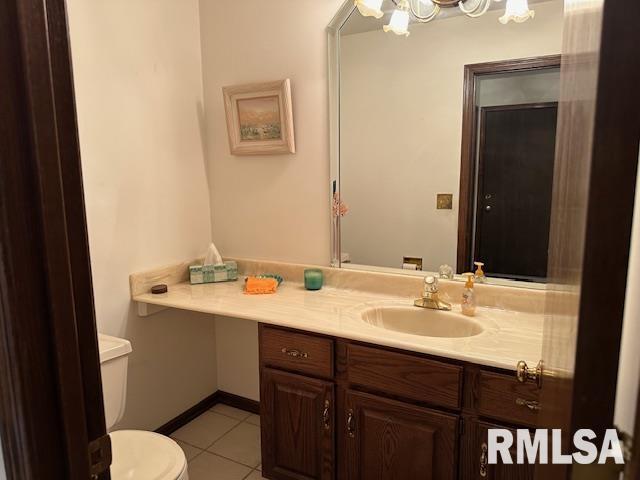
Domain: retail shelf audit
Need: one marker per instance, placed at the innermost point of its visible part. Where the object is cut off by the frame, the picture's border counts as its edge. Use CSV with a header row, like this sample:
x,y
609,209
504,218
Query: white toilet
x,y
137,455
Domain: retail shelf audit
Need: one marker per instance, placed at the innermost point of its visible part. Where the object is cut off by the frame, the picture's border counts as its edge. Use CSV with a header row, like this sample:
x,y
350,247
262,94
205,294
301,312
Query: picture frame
x,y
260,118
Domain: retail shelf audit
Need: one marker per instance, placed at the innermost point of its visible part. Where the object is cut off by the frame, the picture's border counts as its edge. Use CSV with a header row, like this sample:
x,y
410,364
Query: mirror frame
x,y
333,42
333,47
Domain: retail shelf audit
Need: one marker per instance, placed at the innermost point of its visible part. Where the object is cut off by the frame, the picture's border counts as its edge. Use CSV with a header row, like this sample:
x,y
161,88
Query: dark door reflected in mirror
x,y
513,200
508,138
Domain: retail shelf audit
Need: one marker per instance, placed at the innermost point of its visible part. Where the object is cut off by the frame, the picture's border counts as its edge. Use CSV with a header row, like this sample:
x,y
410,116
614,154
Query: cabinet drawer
x,y
296,351
404,375
504,398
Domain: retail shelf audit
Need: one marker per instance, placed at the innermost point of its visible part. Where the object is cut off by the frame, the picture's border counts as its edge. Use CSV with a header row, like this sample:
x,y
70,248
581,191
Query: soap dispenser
x,y
480,276
468,303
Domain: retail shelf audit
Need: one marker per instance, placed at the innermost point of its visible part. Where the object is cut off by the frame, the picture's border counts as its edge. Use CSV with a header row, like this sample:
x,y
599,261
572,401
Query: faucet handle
x,y
430,284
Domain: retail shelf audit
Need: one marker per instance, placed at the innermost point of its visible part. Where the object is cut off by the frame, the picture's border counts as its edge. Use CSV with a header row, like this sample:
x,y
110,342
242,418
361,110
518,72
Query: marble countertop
x,y
508,336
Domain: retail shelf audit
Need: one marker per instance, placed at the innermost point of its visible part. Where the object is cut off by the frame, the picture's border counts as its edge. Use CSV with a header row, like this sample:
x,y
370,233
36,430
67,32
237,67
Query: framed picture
x,y
260,118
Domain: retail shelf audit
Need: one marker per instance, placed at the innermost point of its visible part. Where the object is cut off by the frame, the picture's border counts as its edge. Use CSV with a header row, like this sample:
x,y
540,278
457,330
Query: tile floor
x,y
222,444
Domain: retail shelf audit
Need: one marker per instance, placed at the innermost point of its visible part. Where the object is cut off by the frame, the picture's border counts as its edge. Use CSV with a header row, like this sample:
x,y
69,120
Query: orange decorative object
x,y
257,286
339,208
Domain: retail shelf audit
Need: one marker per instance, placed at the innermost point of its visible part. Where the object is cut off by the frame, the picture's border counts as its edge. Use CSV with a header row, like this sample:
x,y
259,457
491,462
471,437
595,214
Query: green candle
x,y
313,279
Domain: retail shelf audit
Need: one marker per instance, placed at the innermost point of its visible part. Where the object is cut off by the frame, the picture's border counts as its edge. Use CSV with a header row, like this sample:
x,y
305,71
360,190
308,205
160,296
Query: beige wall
x,y
401,128
137,68
237,354
272,207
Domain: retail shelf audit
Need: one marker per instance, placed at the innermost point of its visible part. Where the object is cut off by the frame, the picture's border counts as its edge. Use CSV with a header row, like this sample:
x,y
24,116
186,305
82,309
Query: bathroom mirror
x,y
443,141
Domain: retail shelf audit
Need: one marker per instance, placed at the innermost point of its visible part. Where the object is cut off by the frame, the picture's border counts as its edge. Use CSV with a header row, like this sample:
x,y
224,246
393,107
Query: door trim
x,y
609,223
594,195
468,150
50,394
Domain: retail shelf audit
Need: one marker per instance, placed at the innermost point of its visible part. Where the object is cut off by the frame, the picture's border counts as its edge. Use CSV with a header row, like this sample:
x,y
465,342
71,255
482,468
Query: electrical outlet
x,y
444,201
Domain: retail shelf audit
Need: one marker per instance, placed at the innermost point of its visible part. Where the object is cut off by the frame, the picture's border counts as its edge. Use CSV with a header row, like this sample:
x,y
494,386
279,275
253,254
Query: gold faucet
x,y
430,298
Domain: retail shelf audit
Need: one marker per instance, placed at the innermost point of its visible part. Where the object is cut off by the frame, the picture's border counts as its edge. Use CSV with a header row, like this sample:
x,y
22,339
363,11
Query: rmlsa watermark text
x,y
537,446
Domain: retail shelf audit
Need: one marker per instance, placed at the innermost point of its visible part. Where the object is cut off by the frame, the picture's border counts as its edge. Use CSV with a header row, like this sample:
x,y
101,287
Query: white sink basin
x,y
421,321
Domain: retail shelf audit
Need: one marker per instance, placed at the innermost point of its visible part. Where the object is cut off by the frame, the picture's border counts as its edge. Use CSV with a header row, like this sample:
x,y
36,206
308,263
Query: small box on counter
x,y
195,274
225,272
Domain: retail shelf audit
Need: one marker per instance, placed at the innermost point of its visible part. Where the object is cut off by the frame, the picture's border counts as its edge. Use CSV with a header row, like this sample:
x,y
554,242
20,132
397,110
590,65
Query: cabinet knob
x,y
524,373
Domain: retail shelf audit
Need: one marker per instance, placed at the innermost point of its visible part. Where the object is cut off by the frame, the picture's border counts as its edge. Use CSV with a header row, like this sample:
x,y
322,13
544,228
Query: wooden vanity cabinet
x,y
474,464
490,399
297,425
336,409
388,439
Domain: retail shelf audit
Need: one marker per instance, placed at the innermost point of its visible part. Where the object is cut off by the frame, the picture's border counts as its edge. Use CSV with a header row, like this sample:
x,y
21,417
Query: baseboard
x,y
237,401
202,406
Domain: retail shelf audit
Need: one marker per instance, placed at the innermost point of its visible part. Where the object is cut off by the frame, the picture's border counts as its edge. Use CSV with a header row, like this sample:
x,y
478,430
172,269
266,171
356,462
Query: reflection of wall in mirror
x,y
401,127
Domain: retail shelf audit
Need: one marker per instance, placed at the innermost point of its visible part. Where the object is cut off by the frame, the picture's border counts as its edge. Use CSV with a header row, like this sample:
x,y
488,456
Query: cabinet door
x,y
476,458
391,440
297,422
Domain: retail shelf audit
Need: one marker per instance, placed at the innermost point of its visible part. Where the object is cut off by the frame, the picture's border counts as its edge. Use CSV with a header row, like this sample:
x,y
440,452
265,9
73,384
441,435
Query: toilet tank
x,y
114,355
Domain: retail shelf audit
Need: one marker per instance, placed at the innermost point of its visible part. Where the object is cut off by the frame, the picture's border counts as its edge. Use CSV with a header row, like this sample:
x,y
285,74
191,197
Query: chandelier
x,y
516,10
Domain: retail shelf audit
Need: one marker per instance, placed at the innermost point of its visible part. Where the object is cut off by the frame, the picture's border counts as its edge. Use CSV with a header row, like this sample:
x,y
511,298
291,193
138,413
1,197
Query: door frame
x,y
472,72
607,238
50,387
594,196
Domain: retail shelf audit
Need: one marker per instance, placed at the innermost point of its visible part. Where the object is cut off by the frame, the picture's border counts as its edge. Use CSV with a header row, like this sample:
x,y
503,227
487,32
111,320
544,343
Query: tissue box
x,y
228,271
195,274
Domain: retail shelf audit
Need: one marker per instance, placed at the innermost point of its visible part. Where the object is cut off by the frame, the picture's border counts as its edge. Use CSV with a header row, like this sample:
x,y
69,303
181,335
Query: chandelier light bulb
x,y
407,11
369,8
518,11
399,22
